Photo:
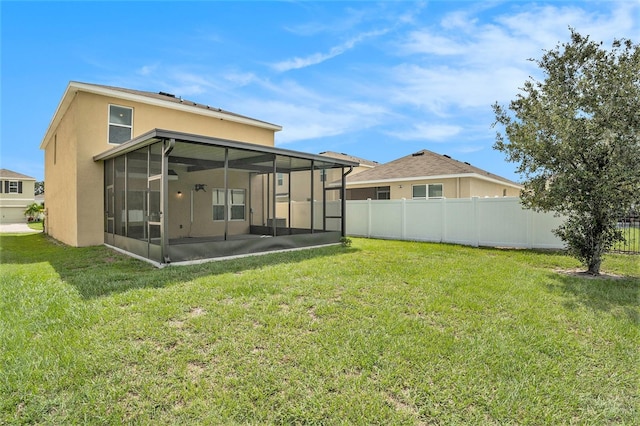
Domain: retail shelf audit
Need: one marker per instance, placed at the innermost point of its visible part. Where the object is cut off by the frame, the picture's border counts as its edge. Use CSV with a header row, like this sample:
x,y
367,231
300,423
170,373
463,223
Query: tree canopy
x,y
575,136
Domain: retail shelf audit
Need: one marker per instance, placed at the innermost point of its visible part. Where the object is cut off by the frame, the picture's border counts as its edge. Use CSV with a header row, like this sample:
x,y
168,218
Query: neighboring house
x,y
322,182
17,191
170,180
426,175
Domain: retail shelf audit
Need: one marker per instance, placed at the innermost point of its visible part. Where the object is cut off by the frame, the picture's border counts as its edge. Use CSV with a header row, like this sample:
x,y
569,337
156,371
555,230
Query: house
x,y
17,191
322,185
171,180
426,175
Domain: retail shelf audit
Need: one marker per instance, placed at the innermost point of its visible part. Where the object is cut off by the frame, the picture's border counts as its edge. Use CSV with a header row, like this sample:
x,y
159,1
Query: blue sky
x,y
378,80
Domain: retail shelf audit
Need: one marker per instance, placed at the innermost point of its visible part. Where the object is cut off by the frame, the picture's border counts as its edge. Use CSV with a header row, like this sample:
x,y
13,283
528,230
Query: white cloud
x,y
428,132
317,58
469,63
147,69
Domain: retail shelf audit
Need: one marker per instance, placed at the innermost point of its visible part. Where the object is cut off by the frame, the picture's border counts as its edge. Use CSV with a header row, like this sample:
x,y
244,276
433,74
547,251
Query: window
x,y
419,192
236,204
423,192
13,187
435,191
280,177
383,193
120,124
218,204
323,175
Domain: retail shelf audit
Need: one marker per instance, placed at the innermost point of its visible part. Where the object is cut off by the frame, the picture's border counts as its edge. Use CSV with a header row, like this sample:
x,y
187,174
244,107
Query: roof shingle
x,y
422,164
10,174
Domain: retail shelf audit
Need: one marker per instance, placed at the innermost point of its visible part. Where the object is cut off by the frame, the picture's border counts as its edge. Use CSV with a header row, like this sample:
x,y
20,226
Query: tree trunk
x,y
594,265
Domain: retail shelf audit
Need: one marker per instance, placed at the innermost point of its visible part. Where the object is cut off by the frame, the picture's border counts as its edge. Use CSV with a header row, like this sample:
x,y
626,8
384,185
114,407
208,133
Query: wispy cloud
x,y
466,62
317,58
427,132
146,70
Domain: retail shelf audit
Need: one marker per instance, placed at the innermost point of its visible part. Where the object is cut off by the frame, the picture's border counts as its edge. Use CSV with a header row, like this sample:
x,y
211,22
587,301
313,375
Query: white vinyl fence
x,y
492,222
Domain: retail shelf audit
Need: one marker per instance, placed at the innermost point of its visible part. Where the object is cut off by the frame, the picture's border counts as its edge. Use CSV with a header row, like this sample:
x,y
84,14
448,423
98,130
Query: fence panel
x,y
495,222
501,223
386,218
460,222
424,220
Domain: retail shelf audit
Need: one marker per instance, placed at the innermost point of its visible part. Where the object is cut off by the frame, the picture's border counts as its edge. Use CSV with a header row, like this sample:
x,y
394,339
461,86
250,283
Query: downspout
x,y
344,202
168,146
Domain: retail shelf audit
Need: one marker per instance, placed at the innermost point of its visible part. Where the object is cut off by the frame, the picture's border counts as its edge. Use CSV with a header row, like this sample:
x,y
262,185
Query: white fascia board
x,y
434,177
57,116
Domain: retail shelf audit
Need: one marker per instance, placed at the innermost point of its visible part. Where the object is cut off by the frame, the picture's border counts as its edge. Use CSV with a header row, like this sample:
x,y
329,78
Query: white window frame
x,y
280,178
13,187
109,123
426,197
220,203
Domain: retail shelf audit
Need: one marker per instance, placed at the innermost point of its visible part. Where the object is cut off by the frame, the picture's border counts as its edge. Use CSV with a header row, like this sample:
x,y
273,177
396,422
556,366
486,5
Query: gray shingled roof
x,y
169,97
343,156
421,164
9,174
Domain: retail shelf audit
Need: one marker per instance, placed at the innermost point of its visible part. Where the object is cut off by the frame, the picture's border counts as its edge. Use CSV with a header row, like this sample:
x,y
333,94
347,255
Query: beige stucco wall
x,y
75,196
301,190
480,188
203,223
60,176
463,187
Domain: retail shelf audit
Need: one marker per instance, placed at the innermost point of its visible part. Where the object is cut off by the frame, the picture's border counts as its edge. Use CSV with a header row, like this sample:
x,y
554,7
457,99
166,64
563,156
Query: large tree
x,y
576,138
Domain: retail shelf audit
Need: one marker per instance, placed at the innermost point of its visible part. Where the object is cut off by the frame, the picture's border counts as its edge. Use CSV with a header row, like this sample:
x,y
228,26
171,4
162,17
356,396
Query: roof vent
x,y
417,154
468,164
171,95
445,155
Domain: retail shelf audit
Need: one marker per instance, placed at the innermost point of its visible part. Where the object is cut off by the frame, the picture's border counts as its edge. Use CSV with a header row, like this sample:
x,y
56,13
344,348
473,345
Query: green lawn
x,y
382,332
36,226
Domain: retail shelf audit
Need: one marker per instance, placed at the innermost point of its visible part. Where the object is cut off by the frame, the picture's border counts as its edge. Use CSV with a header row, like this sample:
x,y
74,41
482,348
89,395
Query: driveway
x,y
16,228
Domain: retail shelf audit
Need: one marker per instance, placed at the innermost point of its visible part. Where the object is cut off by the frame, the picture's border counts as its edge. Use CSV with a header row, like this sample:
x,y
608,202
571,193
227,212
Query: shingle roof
x,y
169,97
9,174
343,156
422,164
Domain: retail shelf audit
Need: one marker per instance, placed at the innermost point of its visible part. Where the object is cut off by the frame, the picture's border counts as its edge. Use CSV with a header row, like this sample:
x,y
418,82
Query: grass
x,y
381,332
36,226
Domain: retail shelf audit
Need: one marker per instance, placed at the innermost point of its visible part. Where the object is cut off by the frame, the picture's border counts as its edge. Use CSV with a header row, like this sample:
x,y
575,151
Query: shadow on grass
x,y
99,271
602,294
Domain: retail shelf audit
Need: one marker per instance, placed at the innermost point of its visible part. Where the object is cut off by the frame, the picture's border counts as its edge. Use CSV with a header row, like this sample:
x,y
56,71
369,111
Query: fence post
x,y
368,217
443,221
403,219
475,228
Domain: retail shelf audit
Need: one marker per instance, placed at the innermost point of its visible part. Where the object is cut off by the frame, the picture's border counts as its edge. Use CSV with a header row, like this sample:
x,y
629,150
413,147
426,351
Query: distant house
x,y
17,191
169,180
427,175
323,184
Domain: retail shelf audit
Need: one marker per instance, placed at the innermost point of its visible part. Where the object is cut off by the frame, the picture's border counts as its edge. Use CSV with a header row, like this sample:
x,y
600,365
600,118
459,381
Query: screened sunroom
x,y
174,197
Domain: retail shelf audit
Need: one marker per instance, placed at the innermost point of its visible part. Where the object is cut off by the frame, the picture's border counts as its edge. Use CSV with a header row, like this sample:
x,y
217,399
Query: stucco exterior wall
x,y
462,187
203,223
481,188
74,197
60,176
